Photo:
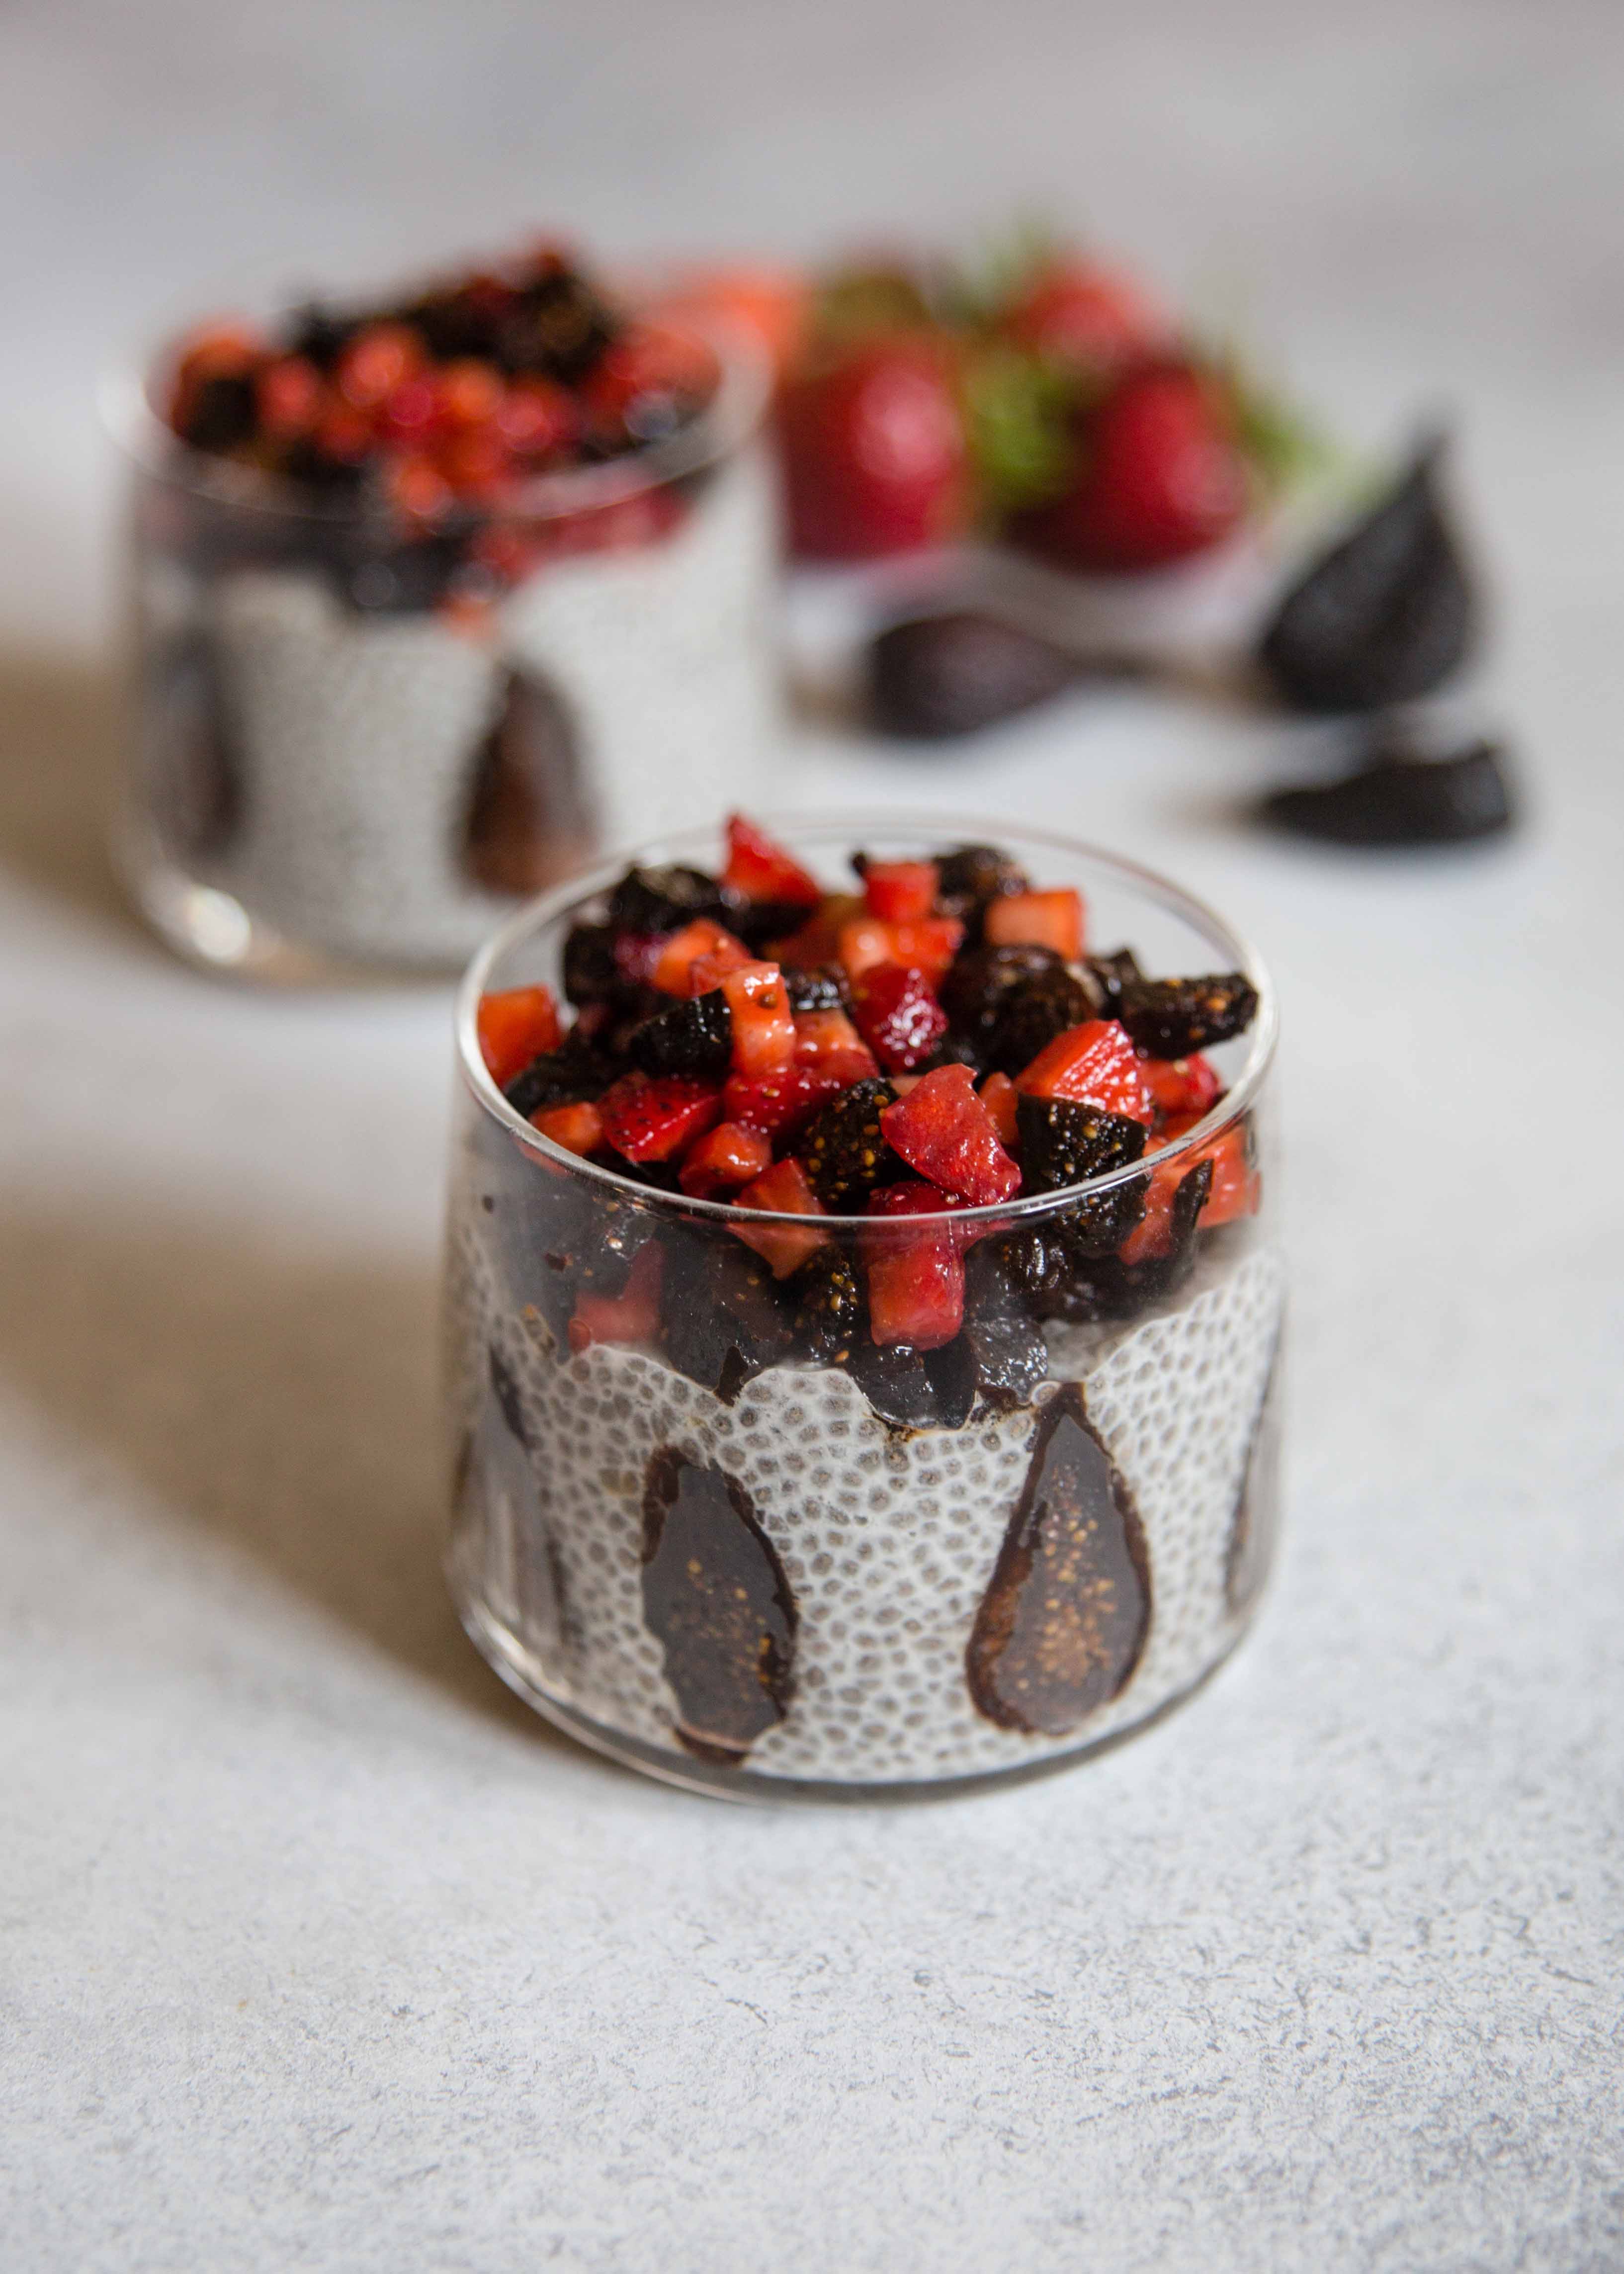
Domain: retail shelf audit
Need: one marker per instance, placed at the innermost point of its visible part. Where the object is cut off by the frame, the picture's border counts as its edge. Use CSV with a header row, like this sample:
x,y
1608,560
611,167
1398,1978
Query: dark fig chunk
x,y
758,922
1256,1512
938,676
1403,801
527,820
722,1317
824,987
693,1037
1110,974
592,974
1009,1354
506,1392
845,1156
1384,616
1171,1017
1063,1142
560,1077
971,876
1037,1009
1063,1621
833,1313
1080,1278
221,413
915,1389
979,983
665,899
716,1597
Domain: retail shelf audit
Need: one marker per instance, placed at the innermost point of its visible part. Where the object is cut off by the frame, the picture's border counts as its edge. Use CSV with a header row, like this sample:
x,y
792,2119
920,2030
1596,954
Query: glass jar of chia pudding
x,y
391,678
715,1513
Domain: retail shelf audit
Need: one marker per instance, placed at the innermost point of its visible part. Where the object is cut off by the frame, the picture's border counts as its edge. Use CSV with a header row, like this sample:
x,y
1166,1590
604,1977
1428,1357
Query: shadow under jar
x,y
702,1521
356,742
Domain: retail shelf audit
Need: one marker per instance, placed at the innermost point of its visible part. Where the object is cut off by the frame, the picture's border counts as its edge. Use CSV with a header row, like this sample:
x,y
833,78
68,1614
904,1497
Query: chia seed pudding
x,y
862,1321
430,600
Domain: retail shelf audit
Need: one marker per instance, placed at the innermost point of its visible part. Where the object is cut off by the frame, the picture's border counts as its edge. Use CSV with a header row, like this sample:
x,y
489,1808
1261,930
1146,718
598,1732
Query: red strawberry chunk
x,y
899,1016
1182,1085
784,1189
818,939
826,1042
782,1104
517,1024
701,942
998,1094
1234,1192
929,945
652,1119
631,1316
577,1128
761,869
1039,920
900,891
724,1158
764,1025
1094,1063
943,1129
916,1290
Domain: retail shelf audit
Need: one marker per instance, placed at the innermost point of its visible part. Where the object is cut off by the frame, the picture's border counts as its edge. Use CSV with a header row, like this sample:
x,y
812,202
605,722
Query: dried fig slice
x,y
1063,1621
527,817
937,676
1399,800
715,1595
1385,614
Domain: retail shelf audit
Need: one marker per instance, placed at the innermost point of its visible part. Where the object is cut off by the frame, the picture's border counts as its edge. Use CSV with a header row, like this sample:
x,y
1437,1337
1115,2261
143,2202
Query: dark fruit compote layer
x,y
940,1039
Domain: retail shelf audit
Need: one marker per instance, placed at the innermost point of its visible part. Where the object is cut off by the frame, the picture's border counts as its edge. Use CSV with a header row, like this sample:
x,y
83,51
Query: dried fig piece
x,y
1257,1514
528,821
937,676
1384,616
1399,800
1063,1621
715,1595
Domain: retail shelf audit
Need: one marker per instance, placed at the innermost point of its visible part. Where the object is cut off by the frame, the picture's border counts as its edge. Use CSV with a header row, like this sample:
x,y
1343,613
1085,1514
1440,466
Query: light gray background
x,y
314,1949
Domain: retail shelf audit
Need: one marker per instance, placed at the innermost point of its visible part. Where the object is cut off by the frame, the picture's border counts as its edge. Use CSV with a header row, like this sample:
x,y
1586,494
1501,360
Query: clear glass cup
x,y
350,749
704,1532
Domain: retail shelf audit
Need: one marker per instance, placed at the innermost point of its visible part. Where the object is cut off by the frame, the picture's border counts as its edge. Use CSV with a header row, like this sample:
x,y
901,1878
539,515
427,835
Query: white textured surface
x,y
316,1951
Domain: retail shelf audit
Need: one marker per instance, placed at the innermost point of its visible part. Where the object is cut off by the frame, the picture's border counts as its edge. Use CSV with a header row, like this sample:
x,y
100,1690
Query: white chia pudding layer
x,y
355,737
888,1539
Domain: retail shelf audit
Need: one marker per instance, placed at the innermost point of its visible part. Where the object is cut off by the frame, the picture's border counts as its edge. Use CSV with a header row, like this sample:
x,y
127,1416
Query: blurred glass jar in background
x,y
365,717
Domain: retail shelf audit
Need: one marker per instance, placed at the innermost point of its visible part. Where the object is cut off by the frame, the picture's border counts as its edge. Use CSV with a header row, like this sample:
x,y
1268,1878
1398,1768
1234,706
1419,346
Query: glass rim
x,y
731,417
996,1215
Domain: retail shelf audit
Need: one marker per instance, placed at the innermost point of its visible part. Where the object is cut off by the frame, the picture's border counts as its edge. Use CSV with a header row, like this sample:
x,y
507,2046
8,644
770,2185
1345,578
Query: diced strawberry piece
x,y
724,1158
1182,1085
783,1104
900,891
701,941
784,1189
943,1129
517,1024
1037,919
577,1128
764,1025
929,945
818,939
763,870
1234,1194
1094,1063
652,1119
998,1095
1235,1185
916,1290
631,1316
827,1041
899,1016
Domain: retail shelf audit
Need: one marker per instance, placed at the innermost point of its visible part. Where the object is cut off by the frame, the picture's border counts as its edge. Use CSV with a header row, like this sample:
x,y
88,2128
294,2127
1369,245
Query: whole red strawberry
x,y
874,454
1161,476
1075,311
